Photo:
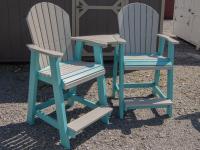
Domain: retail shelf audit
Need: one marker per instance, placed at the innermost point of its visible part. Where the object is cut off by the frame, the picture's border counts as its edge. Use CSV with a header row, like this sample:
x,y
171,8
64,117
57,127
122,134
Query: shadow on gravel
x,y
195,119
186,54
22,136
40,136
131,122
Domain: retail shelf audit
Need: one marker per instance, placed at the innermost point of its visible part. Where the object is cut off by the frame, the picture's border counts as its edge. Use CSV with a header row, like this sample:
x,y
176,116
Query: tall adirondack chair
x,y
54,62
138,25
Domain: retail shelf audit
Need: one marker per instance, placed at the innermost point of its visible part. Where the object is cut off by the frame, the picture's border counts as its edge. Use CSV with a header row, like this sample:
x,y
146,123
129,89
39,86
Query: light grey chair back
x,y
49,26
138,25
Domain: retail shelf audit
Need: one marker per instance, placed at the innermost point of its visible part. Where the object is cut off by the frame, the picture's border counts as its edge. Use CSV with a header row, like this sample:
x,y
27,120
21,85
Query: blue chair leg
x,y
61,116
115,68
101,82
156,81
59,101
121,83
102,96
170,90
32,95
33,84
71,101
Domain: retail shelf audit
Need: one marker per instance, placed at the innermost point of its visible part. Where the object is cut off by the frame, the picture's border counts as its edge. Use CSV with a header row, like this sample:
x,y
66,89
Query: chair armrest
x,y
101,40
89,41
48,52
119,39
169,39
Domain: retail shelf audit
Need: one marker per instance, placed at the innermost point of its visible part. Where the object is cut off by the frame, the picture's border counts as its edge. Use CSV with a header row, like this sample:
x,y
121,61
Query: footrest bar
x,y
47,119
84,101
147,103
139,85
159,92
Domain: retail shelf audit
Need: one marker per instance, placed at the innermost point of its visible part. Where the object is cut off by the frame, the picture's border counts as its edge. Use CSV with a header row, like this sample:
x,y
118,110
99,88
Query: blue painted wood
x,y
51,101
139,85
59,101
77,57
157,72
78,50
51,121
170,90
159,92
33,83
156,80
170,77
115,70
146,63
161,46
121,81
84,101
45,104
101,82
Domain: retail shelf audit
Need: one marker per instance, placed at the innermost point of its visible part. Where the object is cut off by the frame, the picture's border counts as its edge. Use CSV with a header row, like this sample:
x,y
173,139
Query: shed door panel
x,y
94,17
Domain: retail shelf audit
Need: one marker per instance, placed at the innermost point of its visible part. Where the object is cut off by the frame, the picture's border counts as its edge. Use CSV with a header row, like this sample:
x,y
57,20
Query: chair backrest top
x,y
138,25
49,26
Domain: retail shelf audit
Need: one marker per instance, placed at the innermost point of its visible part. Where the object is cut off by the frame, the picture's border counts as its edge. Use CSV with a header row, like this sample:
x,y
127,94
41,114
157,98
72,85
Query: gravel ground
x,y
141,129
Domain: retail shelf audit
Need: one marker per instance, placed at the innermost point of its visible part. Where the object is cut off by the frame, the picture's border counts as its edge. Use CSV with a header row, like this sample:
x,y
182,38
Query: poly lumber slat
x,y
89,118
145,58
103,40
138,25
148,102
44,51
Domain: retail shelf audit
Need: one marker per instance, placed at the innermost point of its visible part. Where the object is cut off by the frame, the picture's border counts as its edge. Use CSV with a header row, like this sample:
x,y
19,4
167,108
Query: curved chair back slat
x,y
49,26
138,25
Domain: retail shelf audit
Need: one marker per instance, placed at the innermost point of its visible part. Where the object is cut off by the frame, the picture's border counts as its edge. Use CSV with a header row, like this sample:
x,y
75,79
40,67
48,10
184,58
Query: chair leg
x,y
102,96
61,115
170,90
33,84
121,83
121,94
32,95
71,101
156,80
115,68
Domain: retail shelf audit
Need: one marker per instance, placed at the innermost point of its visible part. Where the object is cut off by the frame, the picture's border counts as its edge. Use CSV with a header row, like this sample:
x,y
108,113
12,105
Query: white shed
x,y
187,20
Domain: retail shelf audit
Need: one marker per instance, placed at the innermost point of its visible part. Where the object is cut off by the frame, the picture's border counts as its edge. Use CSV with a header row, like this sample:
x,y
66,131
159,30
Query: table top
x,y
103,40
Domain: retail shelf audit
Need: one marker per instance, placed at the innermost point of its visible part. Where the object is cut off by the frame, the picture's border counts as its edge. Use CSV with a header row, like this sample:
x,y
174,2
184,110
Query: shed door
x,y
93,17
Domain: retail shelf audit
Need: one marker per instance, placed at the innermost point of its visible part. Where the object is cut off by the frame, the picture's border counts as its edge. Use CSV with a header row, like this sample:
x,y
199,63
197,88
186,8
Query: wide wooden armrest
x,y
49,52
102,40
173,41
119,39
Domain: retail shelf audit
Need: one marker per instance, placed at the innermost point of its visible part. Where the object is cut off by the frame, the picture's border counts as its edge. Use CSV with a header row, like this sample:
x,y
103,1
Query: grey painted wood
x,y
89,118
143,32
102,40
49,26
47,52
155,24
147,102
137,28
76,73
149,29
138,24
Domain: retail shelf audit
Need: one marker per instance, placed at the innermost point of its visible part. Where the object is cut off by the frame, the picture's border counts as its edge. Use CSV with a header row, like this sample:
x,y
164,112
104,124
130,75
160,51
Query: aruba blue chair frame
x,y
119,64
59,97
